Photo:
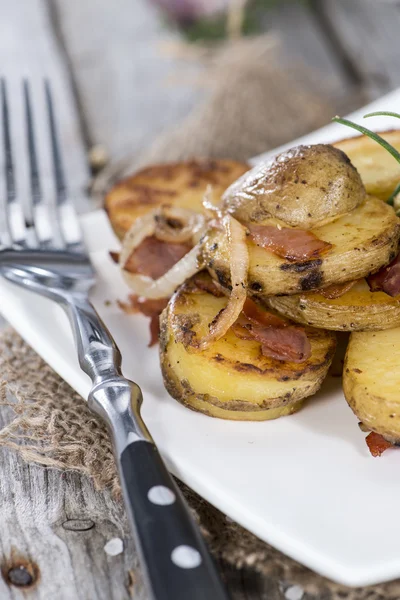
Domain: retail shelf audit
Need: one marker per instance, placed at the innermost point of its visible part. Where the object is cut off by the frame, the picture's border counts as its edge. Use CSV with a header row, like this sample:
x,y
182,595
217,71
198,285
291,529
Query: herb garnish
x,y
377,138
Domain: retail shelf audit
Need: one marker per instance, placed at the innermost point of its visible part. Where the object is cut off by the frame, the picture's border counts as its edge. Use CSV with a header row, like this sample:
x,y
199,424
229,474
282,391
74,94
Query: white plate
x,y
306,483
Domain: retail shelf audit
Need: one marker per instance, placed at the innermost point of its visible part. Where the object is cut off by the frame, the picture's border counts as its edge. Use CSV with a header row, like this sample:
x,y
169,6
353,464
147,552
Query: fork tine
x,y
33,161
5,234
9,165
37,211
36,194
65,208
58,168
11,214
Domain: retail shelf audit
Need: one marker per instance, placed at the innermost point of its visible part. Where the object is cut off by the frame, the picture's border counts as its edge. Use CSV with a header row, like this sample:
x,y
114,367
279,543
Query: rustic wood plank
x,y
59,524
367,32
124,83
123,80
303,40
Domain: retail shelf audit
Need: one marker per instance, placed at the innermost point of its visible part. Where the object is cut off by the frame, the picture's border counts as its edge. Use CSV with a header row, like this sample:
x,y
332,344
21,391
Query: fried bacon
x,y
148,308
387,279
154,258
293,244
336,290
377,444
277,337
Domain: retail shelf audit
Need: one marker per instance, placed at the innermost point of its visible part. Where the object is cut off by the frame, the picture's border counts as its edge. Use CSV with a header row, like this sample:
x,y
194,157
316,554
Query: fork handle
x,y
174,555
179,566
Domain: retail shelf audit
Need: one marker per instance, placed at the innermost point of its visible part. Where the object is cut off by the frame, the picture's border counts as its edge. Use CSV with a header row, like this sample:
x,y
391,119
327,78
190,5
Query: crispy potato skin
x,y
303,187
379,171
359,309
177,184
362,241
232,379
371,380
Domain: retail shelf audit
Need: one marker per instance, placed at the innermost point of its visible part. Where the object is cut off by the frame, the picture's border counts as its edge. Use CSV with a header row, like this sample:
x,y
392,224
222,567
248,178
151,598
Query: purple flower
x,y
186,11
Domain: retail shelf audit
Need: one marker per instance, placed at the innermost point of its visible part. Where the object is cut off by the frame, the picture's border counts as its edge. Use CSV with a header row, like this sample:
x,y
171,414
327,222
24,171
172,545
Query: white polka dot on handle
x,y
161,495
186,557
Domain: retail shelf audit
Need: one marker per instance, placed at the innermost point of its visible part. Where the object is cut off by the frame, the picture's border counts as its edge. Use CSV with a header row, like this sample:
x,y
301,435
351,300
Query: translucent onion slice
x,y
152,224
189,224
239,265
164,286
141,229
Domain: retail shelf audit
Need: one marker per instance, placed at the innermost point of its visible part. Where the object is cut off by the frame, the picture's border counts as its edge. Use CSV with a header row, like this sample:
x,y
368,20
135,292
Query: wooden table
x,y
104,59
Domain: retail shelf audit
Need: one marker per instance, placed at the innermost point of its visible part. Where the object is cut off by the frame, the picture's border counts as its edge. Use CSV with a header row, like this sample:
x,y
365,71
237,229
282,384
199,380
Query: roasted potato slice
x,y
362,241
178,184
379,171
359,309
302,187
371,380
231,379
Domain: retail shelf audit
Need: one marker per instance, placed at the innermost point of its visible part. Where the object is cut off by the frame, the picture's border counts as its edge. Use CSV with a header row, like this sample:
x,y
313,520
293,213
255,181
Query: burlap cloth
x,y
254,105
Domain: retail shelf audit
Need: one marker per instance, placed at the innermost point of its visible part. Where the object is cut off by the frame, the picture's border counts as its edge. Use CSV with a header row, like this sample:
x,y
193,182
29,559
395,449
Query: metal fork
x,y
51,261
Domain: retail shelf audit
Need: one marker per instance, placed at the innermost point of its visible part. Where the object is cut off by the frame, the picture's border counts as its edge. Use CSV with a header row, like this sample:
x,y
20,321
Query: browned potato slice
x,y
362,241
231,379
302,187
177,184
371,380
359,309
379,171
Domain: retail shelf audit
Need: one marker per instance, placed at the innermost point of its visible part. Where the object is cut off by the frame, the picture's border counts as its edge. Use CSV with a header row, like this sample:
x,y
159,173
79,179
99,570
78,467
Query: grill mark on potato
x,y
301,267
311,281
256,286
246,367
183,328
223,278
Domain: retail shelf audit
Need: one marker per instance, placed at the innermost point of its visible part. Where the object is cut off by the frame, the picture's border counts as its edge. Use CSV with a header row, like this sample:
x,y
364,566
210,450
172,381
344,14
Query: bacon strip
x,y
278,339
154,257
148,308
293,244
258,316
336,290
377,444
203,283
387,279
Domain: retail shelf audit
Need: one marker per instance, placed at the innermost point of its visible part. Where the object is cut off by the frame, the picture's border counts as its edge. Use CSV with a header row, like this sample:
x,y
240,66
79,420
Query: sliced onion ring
x,y
150,224
164,286
239,265
141,229
192,223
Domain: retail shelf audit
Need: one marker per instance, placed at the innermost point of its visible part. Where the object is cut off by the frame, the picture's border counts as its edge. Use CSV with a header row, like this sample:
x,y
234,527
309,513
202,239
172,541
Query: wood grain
x,y
132,90
124,80
58,524
367,32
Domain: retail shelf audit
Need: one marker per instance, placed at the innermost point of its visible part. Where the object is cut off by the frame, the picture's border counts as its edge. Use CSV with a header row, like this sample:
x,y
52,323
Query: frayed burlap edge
x,y
52,426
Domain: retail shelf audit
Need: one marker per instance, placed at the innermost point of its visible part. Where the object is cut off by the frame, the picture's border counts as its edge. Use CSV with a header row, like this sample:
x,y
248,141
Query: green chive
x,y
383,113
371,134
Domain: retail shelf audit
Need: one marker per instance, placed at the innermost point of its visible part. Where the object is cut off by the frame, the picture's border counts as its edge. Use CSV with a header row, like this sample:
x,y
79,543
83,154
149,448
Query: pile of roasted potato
x,y
316,229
